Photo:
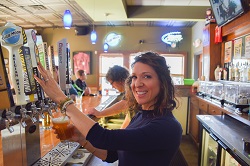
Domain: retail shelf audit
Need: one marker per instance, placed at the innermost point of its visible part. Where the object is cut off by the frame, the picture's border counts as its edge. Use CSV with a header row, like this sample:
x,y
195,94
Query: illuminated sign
x,y
113,39
172,37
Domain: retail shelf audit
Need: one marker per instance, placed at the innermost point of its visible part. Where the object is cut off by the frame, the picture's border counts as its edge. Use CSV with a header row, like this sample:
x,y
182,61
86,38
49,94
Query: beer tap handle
x,y
23,112
50,111
10,115
41,113
53,106
12,39
8,126
34,111
25,116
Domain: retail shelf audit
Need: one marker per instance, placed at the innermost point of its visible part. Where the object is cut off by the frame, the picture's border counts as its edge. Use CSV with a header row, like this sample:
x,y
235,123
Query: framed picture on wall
x,y
82,61
247,46
237,48
228,51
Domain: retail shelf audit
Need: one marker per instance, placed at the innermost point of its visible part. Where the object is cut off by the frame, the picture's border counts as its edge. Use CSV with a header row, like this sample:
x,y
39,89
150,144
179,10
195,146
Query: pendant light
x,y
105,47
67,19
93,36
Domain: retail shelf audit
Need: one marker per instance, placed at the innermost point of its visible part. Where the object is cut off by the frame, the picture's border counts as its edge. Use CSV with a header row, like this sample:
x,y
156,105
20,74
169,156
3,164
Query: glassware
x,y
78,102
46,121
60,124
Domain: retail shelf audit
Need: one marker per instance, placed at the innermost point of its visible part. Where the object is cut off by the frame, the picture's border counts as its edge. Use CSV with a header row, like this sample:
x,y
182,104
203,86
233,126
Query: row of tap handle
x,y
30,111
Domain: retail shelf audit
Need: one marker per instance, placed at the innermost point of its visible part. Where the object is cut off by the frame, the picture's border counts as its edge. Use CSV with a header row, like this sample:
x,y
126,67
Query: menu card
x,y
228,51
237,48
247,46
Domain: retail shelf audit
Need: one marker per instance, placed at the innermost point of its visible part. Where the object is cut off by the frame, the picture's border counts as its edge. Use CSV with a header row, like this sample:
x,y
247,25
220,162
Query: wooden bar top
x,y
48,139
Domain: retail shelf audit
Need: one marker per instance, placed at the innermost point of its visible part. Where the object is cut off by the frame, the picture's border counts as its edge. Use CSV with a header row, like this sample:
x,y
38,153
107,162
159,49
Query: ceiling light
x,y
67,19
93,36
105,47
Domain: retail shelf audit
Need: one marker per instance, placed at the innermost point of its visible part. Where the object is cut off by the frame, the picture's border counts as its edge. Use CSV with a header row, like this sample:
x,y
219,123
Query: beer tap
x,y
34,111
9,117
24,117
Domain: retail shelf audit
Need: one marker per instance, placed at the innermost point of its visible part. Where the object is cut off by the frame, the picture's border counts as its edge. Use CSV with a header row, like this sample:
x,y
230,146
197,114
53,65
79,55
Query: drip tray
x,y
79,158
59,155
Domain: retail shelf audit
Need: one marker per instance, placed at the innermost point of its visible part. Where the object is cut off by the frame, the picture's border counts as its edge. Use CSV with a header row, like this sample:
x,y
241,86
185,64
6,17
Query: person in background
x,y
152,137
80,84
116,76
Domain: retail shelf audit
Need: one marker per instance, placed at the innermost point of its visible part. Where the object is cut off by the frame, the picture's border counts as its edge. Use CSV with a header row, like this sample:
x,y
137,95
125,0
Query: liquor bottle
x,y
236,72
226,71
248,72
230,69
245,73
217,73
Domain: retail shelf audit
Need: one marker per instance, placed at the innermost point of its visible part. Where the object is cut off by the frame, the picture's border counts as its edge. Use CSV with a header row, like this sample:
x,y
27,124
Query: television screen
x,y
226,10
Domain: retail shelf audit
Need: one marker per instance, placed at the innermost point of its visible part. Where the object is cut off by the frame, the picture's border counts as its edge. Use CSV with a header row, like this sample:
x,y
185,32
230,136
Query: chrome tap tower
x,y
20,135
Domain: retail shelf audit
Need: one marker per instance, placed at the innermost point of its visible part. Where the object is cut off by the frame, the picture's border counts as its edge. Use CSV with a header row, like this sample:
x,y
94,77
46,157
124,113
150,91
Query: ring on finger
x,y
46,80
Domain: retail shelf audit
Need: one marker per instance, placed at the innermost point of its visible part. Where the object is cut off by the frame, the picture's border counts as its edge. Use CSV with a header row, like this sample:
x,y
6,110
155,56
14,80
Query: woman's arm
x,y
100,153
110,111
52,89
126,121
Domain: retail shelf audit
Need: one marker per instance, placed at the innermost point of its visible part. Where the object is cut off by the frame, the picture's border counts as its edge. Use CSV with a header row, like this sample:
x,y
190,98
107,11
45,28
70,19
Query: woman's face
x,y
145,85
117,85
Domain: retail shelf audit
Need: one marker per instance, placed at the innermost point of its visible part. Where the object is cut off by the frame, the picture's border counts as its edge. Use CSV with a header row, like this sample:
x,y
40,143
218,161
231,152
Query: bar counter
x,y
48,139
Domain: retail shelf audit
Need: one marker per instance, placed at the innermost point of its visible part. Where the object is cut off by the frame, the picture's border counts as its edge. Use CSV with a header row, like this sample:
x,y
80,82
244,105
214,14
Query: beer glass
x,y
60,122
46,121
78,102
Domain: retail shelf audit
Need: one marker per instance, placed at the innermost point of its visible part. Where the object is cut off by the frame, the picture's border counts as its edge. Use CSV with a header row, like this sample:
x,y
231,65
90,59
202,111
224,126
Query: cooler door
x,y
209,149
228,160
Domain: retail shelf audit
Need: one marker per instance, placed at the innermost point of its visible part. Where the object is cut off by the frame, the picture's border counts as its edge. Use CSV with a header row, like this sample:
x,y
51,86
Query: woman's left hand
x,y
49,85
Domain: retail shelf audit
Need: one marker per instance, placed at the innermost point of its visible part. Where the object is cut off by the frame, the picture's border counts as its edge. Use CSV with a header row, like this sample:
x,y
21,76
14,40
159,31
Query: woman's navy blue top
x,y
147,141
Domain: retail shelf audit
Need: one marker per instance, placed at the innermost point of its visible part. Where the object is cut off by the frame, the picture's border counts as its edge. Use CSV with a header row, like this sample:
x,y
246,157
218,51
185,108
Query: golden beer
x,y
46,121
60,125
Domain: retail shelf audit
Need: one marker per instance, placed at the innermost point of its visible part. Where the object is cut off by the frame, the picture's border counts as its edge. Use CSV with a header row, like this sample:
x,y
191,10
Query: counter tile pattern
x,y
58,155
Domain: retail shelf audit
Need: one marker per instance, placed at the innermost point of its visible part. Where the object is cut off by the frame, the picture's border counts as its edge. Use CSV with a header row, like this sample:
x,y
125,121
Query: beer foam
x,y
61,119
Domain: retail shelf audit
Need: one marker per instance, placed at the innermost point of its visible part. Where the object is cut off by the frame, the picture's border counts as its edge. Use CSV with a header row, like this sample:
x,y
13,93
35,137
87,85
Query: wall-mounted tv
x,y
227,10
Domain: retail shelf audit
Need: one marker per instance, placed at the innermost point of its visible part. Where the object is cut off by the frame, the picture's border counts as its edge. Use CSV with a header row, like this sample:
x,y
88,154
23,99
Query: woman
x,y
153,135
116,76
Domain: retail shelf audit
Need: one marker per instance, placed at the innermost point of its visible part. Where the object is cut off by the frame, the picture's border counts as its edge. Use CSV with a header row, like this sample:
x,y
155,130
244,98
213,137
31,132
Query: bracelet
x,y
66,104
85,144
62,102
93,151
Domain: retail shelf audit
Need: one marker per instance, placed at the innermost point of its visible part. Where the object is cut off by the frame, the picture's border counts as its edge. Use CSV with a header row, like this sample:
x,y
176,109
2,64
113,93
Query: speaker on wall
x,y
84,30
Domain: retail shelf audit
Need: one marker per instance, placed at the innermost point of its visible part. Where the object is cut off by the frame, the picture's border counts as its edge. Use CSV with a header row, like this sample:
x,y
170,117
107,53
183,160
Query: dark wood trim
x,y
236,28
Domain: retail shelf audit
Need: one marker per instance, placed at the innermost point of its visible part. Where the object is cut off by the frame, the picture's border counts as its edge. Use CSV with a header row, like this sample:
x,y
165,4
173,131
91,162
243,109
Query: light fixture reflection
x,y
105,47
67,19
93,36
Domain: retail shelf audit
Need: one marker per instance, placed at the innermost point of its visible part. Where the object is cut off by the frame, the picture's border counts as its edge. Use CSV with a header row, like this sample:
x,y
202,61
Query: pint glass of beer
x,y
60,124
46,121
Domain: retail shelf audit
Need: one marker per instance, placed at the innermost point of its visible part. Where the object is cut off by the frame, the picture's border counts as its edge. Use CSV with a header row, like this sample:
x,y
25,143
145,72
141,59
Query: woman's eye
x,y
133,77
147,76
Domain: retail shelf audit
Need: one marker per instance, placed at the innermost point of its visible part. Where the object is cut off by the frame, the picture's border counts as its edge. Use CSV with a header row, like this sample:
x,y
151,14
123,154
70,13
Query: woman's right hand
x,y
76,135
49,85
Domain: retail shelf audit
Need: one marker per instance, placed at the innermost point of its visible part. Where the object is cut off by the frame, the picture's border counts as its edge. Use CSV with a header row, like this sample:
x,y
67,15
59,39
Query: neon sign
x,y
113,39
172,38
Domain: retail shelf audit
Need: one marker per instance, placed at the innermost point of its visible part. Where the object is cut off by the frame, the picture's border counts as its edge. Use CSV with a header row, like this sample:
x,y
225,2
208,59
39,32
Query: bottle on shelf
x,y
244,70
236,72
226,71
230,70
217,73
248,72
